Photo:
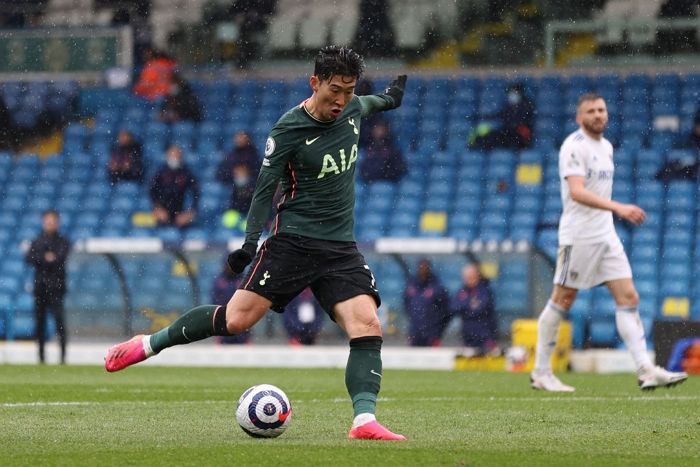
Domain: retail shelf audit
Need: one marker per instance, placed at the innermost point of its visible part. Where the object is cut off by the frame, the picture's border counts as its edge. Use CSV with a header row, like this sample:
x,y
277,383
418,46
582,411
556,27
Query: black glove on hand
x,y
239,259
395,90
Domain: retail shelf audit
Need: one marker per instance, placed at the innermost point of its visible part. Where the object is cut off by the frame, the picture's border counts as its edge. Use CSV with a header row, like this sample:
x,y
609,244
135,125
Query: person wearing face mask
x,y
426,304
170,187
239,170
126,159
383,161
512,125
474,304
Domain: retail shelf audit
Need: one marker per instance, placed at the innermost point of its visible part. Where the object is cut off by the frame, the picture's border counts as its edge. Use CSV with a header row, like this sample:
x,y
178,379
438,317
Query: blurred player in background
x,y
590,252
312,154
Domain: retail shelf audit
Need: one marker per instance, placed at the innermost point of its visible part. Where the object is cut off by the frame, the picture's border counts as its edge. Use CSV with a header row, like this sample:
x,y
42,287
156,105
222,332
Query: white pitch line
x,y
593,398
337,400
42,404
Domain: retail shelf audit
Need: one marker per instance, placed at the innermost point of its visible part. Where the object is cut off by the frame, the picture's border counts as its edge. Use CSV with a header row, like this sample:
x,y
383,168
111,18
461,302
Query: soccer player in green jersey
x,y
312,154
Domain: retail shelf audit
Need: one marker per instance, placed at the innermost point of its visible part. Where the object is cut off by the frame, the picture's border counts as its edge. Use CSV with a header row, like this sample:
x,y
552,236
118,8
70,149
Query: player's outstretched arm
x,y
390,99
396,89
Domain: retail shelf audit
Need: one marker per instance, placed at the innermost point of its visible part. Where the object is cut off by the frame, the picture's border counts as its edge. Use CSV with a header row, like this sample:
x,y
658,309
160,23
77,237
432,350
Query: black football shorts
x,y
287,264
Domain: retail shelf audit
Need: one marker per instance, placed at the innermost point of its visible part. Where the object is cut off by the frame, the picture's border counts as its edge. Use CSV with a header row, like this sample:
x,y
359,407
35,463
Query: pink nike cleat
x,y
374,430
125,354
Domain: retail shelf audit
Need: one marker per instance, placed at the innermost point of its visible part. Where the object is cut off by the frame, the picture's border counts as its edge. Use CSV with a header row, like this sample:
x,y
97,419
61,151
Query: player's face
x,y
593,116
332,95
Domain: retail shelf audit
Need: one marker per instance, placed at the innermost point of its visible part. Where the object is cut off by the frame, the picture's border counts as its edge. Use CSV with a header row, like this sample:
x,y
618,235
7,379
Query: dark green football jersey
x,y
314,163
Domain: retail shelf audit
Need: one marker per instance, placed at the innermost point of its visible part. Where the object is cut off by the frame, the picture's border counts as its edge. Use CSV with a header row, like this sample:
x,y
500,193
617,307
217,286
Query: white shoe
x,y
546,381
656,377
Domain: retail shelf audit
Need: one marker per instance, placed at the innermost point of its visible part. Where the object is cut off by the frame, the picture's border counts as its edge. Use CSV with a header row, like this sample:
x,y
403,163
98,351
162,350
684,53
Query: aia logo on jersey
x,y
331,165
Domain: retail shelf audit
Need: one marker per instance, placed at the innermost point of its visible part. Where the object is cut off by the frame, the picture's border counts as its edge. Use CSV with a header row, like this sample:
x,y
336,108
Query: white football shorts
x,y
586,266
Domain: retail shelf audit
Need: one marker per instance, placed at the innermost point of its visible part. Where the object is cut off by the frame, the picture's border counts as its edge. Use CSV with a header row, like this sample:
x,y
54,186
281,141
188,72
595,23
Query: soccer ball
x,y
264,411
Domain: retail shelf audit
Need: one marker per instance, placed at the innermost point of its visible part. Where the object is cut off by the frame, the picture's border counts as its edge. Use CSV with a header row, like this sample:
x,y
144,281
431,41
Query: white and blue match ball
x,y
264,411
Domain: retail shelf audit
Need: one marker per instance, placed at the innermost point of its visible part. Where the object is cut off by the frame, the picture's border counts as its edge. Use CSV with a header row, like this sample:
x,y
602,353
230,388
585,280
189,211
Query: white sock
x,y
629,325
147,345
547,330
362,419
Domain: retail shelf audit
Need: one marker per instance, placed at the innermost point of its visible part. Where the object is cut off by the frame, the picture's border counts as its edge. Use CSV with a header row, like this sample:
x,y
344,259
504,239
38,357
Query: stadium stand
x,y
454,192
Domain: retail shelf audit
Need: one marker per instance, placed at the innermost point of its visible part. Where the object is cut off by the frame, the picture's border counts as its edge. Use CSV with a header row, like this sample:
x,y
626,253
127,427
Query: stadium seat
x,y
603,333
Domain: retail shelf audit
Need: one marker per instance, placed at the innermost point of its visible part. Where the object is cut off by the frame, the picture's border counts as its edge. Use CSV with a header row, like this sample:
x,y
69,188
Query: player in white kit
x,y
590,252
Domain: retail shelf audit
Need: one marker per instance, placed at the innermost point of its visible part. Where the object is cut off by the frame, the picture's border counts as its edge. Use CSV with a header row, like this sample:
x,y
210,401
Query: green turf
x,y
152,416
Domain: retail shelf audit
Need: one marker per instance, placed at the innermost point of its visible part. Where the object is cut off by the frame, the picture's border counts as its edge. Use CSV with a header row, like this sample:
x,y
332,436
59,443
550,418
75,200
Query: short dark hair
x,y
589,96
336,60
50,212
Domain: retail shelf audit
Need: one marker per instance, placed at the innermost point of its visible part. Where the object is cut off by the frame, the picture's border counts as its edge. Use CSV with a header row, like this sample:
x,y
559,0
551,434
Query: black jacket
x,y
170,186
49,274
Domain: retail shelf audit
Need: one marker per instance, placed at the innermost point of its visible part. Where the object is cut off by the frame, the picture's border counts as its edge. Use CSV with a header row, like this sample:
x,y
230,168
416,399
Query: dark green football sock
x,y
363,374
197,324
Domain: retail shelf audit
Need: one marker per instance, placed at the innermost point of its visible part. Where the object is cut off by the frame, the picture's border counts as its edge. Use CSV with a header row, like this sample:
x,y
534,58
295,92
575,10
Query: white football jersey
x,y
592,159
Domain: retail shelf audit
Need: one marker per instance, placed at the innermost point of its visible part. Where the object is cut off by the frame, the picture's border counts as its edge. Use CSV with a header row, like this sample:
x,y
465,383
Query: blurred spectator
x,y
134,13
239,169
474,304
126,159
156,76
171,184
695,132
678,169
685,168
7,125
514,125
48,254
374,35
180,103
225,285
251,17
670,41
382,160
364,88
426,304
303,319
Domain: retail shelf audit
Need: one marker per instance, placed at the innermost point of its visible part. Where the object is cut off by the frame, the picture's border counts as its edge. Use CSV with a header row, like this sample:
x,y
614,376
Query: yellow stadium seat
x,y
528,174
678,307
143,219
433,221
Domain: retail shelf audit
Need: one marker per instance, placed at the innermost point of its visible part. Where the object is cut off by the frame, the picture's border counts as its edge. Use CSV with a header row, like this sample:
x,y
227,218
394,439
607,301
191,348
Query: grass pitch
x,y
80,415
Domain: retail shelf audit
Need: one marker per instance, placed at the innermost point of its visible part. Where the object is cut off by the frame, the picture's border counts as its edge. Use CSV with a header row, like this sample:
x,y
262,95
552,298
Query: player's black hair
x,y
589,96
336,60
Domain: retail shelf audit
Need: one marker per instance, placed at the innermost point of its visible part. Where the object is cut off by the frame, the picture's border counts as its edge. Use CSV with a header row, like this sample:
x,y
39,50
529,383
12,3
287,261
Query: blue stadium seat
x,y
14,202
644,269
8,220
369,233
512,296
409,204
679,220
10,284
603,333
437,203
674,288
